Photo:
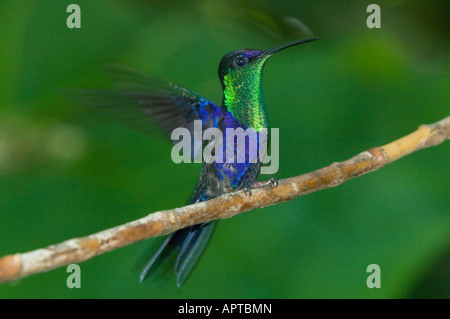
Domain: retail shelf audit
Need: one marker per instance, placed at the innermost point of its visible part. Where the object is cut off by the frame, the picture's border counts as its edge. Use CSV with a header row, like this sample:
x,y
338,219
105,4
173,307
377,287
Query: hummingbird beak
x,y
272,51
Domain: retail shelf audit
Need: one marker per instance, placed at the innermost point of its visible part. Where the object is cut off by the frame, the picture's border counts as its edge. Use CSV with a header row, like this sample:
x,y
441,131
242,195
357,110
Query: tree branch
x,y
77,250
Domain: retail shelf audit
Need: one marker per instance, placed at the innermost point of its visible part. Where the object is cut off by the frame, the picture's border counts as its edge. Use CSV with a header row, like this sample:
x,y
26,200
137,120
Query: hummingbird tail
x,y
191,241
163,252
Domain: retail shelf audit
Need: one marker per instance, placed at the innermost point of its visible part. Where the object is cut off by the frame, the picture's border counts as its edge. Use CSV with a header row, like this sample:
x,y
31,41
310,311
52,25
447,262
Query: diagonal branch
x,y
77,250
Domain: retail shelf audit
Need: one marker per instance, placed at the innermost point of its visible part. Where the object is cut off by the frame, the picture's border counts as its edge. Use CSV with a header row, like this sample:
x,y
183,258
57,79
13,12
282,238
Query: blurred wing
x,y
168,105
142,100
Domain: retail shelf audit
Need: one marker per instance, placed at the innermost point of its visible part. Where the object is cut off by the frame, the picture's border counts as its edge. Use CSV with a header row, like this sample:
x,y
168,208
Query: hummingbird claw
x,y
274,182
271,181
247,191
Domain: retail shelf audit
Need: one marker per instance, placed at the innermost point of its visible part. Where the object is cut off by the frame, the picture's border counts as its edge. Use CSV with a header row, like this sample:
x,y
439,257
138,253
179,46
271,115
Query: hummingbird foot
x,y
271,181
274,182
247,191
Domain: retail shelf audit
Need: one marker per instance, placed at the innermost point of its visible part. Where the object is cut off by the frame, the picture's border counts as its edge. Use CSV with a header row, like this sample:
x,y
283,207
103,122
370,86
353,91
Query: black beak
x,y
287,45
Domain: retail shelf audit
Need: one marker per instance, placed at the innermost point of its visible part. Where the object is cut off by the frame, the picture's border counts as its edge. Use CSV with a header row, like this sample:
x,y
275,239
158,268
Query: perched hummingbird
x,y
172,106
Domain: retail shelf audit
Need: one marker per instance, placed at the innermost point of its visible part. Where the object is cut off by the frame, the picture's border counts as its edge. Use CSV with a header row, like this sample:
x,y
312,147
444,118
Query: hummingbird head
x,y
240,73
249,62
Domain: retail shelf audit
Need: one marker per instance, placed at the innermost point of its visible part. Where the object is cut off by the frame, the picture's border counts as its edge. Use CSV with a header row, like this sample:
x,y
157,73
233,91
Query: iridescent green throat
x,y
243,95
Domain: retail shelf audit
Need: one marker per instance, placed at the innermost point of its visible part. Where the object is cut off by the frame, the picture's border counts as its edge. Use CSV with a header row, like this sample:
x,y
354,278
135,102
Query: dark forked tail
x,y
191,242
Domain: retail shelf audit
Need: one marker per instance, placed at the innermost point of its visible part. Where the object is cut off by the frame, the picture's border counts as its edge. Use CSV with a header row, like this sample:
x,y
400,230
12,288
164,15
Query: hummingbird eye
x,y
241,61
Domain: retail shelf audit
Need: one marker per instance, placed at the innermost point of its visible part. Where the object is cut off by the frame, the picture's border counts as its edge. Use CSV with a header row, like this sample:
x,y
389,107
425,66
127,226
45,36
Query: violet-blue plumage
x,y
172,106
250,53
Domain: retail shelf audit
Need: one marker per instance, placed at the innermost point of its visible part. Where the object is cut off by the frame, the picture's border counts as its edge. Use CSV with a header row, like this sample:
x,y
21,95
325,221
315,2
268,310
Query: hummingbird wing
x,y
168,105
143,101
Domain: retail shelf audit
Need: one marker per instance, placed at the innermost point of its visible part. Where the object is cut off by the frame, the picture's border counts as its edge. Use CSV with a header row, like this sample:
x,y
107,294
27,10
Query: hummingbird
x,y
172,106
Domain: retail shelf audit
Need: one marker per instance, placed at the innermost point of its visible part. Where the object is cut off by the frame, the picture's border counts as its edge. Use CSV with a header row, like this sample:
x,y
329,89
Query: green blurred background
x,y
67,172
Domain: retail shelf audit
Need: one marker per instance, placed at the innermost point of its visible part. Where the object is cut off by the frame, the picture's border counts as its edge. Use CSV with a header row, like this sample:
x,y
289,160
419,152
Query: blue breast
x,y
233,171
